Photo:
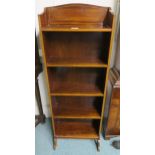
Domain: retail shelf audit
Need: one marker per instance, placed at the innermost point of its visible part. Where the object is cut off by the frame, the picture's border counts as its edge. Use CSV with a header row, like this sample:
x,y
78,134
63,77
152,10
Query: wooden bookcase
x,y
76,41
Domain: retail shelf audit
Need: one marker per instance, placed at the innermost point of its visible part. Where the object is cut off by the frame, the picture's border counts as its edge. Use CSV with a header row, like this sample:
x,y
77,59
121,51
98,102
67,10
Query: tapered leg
x,y
55,144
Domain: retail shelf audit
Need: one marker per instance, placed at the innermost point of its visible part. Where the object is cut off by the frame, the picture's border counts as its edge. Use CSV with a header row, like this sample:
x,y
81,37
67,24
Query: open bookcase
x,y
76,41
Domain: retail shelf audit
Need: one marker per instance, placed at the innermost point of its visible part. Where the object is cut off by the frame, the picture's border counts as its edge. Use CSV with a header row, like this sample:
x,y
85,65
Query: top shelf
x,y
76,18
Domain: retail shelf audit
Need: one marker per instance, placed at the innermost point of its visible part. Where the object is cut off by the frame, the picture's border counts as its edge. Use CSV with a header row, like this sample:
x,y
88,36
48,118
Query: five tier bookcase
x,y
76,41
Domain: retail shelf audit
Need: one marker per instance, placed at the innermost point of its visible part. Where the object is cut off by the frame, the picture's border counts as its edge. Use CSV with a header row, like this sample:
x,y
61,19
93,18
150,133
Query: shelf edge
x,y
78,137
75,30
82,66
76,94
83,117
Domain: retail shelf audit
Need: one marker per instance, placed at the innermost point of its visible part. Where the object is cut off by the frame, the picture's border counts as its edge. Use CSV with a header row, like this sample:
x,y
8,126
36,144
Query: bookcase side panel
x,y
107,73
46,74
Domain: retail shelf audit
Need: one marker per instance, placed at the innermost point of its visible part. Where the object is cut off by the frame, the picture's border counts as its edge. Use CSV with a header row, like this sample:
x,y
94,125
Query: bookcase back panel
x,y
77,107
92,46
74,13
80,80
76,128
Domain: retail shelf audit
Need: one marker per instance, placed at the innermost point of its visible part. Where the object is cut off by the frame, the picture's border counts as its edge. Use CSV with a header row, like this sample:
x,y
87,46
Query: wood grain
x,y
75,80
77,107
77,49
75,62
76,28
112,19
112,125
76,129
83,16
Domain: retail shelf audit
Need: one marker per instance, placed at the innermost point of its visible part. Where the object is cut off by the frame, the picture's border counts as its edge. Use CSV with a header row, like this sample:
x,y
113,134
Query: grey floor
x,y
43,144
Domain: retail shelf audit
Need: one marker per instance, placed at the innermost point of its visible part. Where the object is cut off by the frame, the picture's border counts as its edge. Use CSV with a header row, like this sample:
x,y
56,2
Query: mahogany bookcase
x,y
76,41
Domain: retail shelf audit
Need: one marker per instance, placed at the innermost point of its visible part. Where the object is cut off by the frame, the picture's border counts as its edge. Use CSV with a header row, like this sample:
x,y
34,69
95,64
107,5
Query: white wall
x,y
40,4
44,95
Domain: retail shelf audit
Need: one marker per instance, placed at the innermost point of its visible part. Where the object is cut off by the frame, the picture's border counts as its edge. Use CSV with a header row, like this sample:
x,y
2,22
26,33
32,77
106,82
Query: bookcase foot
x,y
55,144
97,144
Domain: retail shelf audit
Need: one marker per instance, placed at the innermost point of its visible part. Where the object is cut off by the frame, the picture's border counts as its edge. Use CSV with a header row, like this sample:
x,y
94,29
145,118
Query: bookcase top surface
x,y
76,17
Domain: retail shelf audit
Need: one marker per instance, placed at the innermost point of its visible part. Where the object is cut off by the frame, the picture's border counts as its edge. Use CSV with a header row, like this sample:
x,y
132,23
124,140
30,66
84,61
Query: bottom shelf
x,y
85,129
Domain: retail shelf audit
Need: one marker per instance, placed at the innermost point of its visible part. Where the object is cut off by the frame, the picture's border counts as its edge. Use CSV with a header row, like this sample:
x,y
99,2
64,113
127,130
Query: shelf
x,y
76,129
75,28
67,62
64,49
77,107
99,94
76,81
